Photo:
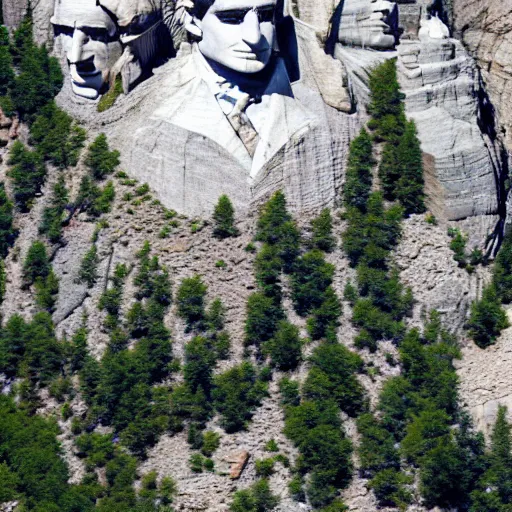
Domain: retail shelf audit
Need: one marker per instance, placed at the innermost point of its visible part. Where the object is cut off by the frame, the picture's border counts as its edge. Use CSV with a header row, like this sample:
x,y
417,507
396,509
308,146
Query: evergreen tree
x,y
100,160
359,172
409,186
502,271
28,173
51,223
487,318
6,64
322,237
36,264
7,232
263,316
224,218
190,301
268,267
389,170
88,272
199,364
386,107
285,348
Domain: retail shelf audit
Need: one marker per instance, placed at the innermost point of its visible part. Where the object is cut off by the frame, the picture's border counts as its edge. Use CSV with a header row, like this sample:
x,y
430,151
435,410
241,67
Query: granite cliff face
x,y
485,27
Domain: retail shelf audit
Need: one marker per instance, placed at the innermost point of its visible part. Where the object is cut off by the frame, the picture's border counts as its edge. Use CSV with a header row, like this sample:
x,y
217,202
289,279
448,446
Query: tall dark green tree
x,y
99,159
7,231
322,237
224,218
37,263
359,172
502,271
6,64
409,186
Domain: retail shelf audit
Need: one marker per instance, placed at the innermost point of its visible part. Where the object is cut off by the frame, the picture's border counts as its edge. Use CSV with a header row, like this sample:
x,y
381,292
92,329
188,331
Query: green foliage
x,y
36,264
56,136
97,448
285,348
325,319
494,488
30,349
6,63
386,107
32,470
276,227
322,237
7,231
388,487
272,446
237,392
224,218
107,100
211,441
502,271
88,272
27,173
39,78
267,268
311,277
262,320
216,315
409,186
199,364
331,377
359,172
100,161
258,498
46,291
51,223
458,246
289,390
265,467
190,301
487,318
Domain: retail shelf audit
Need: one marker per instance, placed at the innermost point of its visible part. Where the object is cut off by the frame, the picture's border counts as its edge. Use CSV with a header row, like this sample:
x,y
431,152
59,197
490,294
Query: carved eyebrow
x,y
236,16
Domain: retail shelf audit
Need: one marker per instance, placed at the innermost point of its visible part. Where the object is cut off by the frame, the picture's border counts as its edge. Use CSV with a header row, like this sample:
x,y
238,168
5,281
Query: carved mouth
x,y
251,55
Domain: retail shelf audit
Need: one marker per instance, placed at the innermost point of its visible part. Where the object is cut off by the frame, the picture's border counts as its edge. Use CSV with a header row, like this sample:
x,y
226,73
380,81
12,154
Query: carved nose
x,y
251,33
79,39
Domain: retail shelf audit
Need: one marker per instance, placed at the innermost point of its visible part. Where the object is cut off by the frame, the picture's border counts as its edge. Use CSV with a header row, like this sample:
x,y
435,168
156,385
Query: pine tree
x,y
6,63
224,218
323,238
285,348
100,160
7,232
389,170
487,318
502,271
359,172
386,107
409,187
36,264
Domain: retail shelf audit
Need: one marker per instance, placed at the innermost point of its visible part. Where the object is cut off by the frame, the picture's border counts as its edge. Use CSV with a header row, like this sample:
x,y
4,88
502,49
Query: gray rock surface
x,y
441,84
485,27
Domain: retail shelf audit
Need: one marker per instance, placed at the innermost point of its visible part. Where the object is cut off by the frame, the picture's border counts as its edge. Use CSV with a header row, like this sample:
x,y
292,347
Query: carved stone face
x,y
239,34
88,38
369,23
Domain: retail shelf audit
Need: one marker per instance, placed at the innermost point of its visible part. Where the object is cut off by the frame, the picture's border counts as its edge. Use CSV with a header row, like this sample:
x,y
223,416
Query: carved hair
x,y
201,8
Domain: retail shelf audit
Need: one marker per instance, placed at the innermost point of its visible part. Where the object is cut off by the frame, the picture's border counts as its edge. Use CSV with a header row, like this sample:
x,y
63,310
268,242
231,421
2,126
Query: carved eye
x,y
266,14
63,30
233,17
97,34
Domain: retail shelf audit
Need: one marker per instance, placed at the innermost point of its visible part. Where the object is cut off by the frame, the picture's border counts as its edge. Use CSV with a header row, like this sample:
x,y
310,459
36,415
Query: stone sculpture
x,y
144,36
223,117
87,37
368,24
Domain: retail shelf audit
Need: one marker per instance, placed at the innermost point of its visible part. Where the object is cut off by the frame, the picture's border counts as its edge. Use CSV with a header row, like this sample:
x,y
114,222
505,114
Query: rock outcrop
x,y
485,27
441,84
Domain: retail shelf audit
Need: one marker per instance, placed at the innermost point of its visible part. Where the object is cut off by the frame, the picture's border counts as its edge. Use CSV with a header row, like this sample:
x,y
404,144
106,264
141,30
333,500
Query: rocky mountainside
x,y
334,348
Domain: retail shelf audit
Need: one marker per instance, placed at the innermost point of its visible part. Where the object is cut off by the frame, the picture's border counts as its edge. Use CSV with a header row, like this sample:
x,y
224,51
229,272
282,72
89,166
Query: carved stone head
x,y
238,34
88,38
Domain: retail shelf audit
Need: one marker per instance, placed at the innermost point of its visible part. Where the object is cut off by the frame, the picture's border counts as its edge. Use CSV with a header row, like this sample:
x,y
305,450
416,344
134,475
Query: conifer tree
x,y
323,238
7,232
487,318
409,186
28,173
6,63
100,160
190,301
502,271
224,218
36,263
285,347
359,172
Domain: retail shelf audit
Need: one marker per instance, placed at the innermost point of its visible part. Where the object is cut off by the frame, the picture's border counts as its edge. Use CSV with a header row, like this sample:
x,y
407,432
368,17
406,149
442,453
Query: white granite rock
x,y
441,85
